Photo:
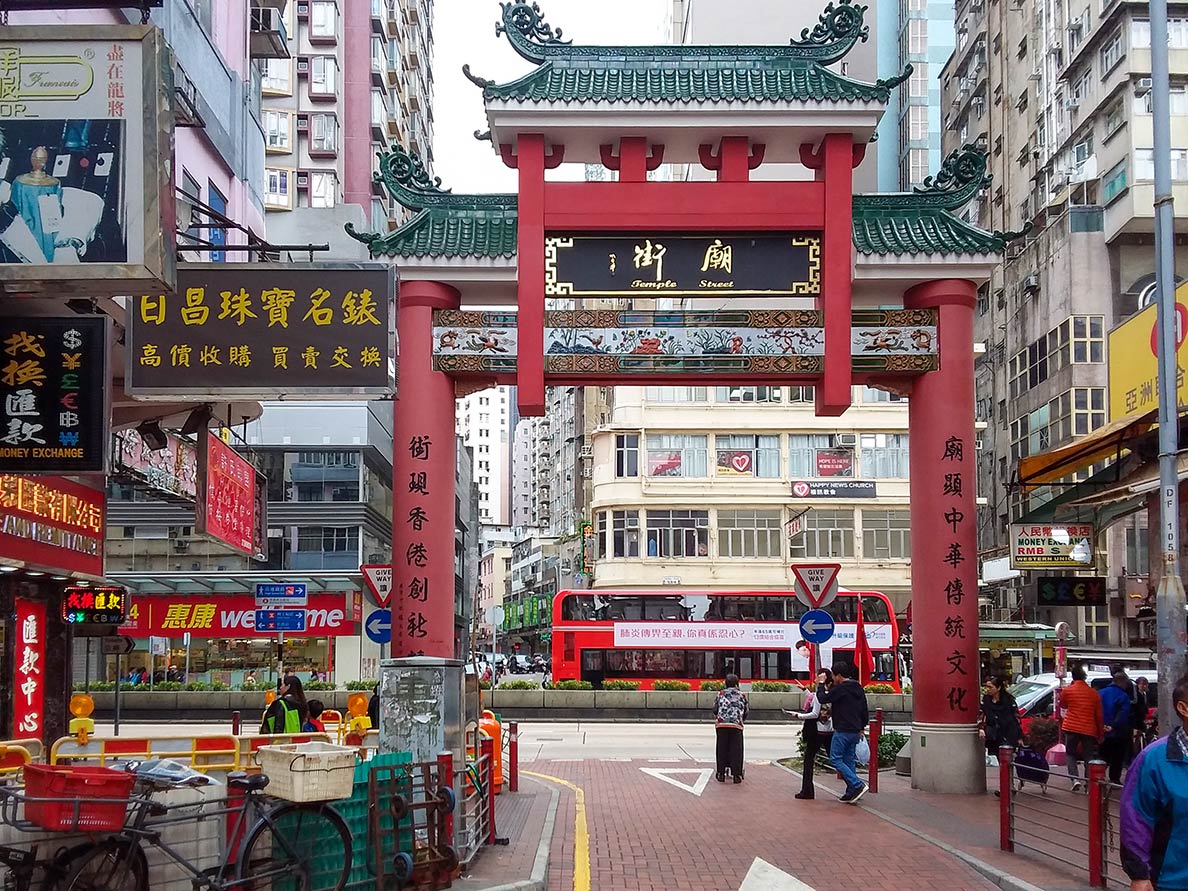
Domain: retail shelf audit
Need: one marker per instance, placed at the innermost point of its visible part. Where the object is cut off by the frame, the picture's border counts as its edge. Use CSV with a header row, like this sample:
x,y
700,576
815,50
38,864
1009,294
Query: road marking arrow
x,y
376,624
665,774
762,876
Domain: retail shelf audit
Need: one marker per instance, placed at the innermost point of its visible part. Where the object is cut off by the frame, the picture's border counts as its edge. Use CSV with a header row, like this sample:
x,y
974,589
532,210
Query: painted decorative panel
x,y
645,343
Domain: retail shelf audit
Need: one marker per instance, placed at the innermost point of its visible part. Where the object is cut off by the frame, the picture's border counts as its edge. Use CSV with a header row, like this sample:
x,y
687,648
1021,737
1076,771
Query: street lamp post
x,y
1169,599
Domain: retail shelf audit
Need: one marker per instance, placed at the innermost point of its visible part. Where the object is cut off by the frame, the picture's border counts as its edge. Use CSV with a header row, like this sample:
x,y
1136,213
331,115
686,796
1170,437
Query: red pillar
x,y
833,394
423,467
947,755
530,386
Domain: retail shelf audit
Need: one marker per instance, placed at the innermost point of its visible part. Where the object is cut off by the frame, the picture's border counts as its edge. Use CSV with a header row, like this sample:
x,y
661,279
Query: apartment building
x,y
483,423
1058,96
359,76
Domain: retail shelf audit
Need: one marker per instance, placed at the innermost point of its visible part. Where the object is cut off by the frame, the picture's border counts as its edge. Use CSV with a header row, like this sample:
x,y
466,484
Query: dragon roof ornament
x,y
962,175
404,175
840,27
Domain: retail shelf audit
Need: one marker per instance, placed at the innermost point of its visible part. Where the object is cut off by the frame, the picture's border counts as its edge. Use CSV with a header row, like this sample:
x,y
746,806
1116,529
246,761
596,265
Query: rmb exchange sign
x,y
671,263
263,331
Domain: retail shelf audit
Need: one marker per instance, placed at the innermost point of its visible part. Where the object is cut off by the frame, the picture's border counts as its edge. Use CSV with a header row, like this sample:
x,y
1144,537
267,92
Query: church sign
x,y
666,264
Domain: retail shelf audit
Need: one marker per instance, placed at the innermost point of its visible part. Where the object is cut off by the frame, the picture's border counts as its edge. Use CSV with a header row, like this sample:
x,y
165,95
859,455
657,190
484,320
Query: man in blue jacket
x,y
1155,810
1115,712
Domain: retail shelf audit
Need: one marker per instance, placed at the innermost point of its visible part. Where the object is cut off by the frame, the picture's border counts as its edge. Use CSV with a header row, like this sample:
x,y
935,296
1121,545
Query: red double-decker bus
x,y
696,636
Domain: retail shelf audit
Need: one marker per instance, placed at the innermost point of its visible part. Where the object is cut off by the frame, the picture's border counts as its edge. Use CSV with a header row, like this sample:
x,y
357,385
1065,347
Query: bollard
x,y
445,778
1096,827
1006,789
235,723
513,756
876,730
487,748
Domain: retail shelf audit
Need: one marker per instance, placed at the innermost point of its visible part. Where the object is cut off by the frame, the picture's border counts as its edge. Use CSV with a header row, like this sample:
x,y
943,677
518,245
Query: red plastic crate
x,y
51,793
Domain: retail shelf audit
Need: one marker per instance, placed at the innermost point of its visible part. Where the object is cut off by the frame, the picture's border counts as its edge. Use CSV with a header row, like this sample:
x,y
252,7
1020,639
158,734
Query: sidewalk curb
x,y
999,877
540,864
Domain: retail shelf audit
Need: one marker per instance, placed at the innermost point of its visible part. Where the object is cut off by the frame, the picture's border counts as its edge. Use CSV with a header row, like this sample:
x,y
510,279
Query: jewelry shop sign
x,y
261,331
86,137
678,263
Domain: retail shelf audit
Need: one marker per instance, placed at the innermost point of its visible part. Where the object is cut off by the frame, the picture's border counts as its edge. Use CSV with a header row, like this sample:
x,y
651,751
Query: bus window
x,y
874,610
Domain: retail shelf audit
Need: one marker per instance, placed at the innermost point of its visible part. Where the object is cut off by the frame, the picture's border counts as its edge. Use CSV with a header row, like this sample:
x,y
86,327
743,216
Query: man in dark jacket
x,y
847,702
1115,709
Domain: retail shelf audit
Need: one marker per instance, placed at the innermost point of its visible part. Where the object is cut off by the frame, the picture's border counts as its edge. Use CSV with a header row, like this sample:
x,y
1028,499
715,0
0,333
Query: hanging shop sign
x,y
230,616
54,408
225,508
50,523
86,183
97,605
1051,545
1071,591
677,263
263,331
173,469
28,670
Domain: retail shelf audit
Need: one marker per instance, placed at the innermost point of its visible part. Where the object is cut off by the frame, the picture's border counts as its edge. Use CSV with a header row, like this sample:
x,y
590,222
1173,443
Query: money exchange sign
x,y
262,330
53,395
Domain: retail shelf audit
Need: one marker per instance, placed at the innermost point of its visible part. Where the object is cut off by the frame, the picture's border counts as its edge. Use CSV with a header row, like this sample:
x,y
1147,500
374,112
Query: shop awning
x,y
234,582
1015,630
1140,483
1110,441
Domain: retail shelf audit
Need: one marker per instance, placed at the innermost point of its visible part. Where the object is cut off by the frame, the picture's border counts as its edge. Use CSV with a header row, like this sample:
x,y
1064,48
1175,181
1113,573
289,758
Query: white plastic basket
x,y
310,771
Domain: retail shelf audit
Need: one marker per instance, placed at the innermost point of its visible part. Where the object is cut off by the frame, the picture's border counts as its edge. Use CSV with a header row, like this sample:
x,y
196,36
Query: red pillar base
x,y
423,476
947,755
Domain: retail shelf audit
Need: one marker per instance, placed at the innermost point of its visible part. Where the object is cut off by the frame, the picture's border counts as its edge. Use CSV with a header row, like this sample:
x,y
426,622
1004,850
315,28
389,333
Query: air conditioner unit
x,y
303,66
302,123
1072,102
587,472
1142,86
181,545
1075,27
586,452
1030,284
846,439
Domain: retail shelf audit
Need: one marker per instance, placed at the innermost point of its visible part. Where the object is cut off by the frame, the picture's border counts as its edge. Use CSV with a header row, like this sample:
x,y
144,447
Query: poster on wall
x,y
54,384
86,131
225,507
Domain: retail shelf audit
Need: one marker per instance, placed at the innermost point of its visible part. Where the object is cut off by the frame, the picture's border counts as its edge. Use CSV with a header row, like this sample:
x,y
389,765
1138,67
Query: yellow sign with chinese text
x,y
1133,370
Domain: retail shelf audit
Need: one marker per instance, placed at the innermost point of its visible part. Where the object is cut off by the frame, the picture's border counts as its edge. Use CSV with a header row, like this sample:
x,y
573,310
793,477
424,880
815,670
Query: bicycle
x,y
285,845
23,866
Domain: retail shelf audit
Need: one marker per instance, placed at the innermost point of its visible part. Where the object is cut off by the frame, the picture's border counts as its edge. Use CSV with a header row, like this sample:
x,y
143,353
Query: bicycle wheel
x,y
298,847
109,866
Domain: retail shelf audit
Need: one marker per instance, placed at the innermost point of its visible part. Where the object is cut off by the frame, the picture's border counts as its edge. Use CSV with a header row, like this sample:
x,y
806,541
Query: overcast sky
x,y
464,32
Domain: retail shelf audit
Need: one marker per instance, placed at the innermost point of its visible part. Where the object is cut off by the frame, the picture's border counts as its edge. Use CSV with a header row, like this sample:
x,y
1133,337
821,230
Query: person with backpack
x,y
850,715
817,733
730,712
288,711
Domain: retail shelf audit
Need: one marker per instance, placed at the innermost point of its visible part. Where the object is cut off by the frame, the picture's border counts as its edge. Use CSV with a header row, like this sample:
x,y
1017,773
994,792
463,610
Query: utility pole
x,y
1171,618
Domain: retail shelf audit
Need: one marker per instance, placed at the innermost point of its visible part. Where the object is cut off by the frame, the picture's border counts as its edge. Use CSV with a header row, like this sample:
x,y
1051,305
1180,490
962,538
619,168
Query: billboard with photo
x,y
86,131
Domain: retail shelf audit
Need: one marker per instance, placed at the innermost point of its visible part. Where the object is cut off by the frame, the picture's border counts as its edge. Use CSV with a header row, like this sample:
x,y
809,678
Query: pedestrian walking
x,y
1115,707
1082,725
1000,716
1138,714
1154,809
289,710
730,712
850,714
817,733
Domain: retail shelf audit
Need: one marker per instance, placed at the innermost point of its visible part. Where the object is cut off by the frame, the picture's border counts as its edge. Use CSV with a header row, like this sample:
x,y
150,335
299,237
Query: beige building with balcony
x,y
1058,95
695,487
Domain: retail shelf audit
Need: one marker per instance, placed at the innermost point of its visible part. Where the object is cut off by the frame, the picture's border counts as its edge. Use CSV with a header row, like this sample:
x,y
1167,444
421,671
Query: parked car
x,y
1036,695
520,664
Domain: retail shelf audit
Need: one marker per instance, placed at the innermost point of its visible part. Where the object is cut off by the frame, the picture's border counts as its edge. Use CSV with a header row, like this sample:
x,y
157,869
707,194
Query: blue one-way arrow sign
x,y
379,626
816,626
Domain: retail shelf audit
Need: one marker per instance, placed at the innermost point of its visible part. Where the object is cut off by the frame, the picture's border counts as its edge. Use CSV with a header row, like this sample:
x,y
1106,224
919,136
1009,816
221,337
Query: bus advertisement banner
x,y
744,635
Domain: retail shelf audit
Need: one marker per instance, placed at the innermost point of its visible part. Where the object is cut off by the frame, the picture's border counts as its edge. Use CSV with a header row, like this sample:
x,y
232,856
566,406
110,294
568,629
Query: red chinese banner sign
x,y
226,495
218,615
52,523
28,694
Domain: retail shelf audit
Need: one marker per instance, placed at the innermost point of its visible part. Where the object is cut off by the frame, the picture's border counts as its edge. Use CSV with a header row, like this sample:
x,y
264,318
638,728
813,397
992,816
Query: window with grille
x,y
749,533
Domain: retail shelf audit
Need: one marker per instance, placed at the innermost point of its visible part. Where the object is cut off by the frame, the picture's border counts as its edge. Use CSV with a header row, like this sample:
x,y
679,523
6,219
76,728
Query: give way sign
x,y
378,577
816,583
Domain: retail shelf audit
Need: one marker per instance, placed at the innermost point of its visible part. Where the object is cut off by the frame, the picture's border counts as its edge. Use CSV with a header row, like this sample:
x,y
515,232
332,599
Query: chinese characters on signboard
x,y
28,653
1131,353
80,167
227,495
951,498
417,554
53,387
52,523
99,605
265,330
230,616
1052,545
671,263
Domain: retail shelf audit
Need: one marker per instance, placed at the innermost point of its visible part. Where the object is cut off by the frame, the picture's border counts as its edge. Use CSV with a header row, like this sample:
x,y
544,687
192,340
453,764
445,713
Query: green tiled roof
x,y
674,73
445,225
484,226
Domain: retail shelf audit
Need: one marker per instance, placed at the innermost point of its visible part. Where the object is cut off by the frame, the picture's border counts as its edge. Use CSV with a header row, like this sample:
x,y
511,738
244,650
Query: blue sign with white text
x,y
281,592
280,620
379,626
816,626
